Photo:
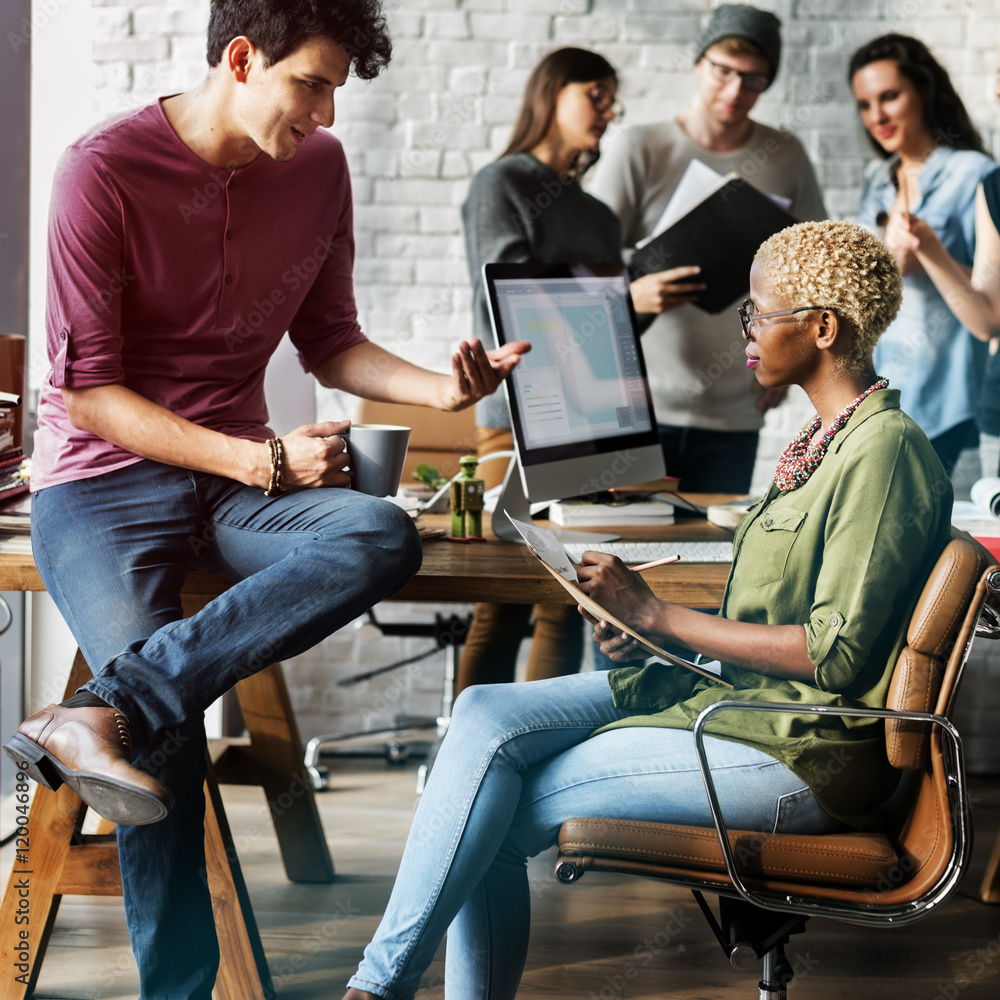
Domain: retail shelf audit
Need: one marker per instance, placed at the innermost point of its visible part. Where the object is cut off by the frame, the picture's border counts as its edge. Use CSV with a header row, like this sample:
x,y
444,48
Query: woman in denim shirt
x,y
975,297
932,162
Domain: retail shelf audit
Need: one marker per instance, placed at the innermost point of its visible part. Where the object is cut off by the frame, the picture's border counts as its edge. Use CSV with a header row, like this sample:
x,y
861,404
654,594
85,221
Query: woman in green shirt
x,y
826,572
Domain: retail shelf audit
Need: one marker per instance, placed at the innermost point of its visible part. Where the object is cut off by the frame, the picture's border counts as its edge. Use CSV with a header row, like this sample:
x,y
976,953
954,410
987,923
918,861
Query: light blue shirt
x,y
937,365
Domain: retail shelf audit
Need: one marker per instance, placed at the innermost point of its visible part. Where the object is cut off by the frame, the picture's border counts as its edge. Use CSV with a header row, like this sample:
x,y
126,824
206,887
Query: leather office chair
x,y
770,884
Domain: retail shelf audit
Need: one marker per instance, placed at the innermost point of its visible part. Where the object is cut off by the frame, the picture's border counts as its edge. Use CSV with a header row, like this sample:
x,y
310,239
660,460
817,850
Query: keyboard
x,y
641,552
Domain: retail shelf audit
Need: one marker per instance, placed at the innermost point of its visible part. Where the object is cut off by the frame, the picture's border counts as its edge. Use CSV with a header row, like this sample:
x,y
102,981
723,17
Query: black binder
x,y
720,234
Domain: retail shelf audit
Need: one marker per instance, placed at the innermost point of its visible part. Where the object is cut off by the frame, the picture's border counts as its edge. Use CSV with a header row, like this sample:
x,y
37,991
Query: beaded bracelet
x,y
277,454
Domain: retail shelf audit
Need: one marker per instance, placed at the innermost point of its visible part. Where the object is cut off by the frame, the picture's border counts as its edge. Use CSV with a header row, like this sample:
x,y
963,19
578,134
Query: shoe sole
x,y
116,801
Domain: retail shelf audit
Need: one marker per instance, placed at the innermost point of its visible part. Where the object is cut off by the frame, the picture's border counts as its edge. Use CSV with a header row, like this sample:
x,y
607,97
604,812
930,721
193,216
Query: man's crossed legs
x,y
114,551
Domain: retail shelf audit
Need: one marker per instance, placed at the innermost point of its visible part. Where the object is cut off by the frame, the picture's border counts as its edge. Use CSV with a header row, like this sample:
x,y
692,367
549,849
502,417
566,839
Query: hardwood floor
x,y
606,938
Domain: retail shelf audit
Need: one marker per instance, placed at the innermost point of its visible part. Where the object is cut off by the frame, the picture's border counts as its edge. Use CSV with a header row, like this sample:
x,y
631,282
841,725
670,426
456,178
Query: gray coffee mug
x,y
376,453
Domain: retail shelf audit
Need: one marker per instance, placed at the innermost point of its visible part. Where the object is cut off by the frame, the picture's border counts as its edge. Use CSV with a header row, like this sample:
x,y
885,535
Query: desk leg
x,y
989,889
60,861
243,972
54,819
276,749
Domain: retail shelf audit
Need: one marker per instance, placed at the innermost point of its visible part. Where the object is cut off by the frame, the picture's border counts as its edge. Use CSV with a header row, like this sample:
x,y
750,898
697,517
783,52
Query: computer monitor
x,y
579,401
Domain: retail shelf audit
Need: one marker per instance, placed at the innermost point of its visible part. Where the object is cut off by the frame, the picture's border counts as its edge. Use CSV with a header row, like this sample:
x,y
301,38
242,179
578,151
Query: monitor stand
x,y
513,500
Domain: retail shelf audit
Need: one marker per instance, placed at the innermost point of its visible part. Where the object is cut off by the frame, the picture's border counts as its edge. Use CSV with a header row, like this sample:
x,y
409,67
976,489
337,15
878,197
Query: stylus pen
x,y
655,562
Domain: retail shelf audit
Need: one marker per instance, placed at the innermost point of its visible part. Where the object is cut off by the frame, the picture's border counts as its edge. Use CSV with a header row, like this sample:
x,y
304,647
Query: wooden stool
x,y
60,860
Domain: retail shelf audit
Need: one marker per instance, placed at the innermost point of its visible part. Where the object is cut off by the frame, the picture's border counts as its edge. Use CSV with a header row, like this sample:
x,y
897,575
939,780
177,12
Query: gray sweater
x,y
519,209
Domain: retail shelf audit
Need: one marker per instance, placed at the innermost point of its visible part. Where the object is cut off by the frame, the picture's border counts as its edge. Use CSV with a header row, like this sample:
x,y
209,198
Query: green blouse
x,y
845,556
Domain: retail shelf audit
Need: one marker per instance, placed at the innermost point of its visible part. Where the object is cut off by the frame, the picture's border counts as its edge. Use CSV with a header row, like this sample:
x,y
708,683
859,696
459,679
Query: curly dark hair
x,y
944,112
279,27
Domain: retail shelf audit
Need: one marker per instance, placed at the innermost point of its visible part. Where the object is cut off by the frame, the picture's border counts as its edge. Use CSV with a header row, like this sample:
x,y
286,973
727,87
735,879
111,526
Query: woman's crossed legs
x,y
517,761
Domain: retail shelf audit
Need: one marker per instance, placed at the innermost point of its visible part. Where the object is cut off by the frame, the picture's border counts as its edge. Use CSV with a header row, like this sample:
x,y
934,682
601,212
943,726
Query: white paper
x,y
697,182
713,666
547,547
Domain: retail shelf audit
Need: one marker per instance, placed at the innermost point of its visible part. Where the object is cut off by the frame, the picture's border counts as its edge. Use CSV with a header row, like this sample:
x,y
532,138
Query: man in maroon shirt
x,y
185,238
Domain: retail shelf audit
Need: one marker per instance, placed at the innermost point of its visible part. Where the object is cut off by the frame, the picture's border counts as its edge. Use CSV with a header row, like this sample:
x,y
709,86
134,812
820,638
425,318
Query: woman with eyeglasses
x,y
827,570
931,161
528,205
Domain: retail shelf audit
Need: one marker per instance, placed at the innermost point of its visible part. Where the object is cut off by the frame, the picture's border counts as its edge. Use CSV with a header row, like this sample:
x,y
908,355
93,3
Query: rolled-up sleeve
x,y
86,275
876,545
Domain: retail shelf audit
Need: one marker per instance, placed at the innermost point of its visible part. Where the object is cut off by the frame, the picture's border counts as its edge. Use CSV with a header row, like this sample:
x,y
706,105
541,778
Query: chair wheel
x,y
742,957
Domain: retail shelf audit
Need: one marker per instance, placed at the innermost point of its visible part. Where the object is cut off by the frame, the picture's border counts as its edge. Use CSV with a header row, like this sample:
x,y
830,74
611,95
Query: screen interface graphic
x,y
582,378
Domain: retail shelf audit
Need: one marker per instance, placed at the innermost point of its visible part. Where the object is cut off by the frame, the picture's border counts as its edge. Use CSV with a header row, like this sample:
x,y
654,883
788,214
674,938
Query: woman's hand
x,y
901,240
904,234
665,290
621,592
476,372
615,645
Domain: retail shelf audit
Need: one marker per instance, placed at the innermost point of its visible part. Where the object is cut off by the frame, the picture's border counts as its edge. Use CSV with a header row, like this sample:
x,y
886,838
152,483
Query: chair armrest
x,y
988,625
949,730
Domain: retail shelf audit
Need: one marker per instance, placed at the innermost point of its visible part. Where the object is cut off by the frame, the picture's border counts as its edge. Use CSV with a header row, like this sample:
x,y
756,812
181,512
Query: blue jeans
x,y
516,762
113,552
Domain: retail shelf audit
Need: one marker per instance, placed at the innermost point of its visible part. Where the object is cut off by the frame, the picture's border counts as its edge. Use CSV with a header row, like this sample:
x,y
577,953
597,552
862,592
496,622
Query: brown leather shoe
x,y
90,749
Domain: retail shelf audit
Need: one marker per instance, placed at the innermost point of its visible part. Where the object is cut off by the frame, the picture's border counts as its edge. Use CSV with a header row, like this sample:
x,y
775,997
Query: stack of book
x,y
580,512
15,515
13,469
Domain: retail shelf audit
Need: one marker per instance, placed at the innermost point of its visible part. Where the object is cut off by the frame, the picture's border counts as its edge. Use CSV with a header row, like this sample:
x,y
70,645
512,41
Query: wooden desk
x,y
498,571
507,573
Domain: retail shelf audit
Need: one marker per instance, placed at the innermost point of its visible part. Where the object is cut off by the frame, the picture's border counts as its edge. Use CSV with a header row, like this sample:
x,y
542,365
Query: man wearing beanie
x,y
709,407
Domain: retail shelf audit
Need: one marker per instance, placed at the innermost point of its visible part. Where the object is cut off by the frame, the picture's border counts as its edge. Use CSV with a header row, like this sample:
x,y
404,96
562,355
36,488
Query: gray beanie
x,y
739,20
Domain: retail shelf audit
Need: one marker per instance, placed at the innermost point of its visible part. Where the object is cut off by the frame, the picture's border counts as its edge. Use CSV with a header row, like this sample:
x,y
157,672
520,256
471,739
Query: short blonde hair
x,y
839,266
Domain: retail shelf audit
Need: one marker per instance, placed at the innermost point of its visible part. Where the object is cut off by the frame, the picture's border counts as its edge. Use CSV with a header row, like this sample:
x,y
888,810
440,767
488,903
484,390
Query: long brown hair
x,y
944,113
568,65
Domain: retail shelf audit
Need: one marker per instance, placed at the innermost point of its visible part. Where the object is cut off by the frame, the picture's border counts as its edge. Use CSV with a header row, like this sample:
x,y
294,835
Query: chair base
x,y
748,934
448,635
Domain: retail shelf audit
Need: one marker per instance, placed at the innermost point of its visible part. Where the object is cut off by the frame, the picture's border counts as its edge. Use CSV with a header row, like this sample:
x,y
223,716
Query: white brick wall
x,y
444,108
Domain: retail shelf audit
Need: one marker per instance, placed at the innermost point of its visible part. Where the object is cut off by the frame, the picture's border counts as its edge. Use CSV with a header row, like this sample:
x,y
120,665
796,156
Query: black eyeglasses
x,y
604,101
749,315
754,82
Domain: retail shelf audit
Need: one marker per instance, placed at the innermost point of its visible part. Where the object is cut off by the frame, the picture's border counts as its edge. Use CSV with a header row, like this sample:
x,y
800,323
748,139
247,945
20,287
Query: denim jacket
x,y
926,353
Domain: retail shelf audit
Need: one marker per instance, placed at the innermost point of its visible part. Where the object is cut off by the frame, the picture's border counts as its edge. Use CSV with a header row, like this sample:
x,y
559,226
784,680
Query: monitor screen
x,y
579,401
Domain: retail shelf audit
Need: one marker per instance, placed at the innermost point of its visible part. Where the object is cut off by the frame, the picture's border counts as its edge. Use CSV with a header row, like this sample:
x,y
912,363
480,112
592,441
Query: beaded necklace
x,y
798,461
